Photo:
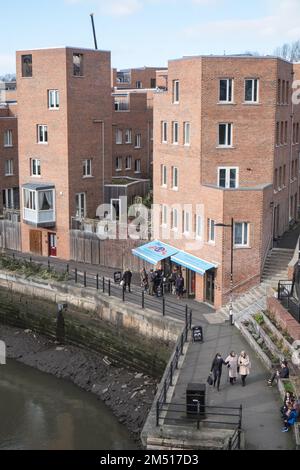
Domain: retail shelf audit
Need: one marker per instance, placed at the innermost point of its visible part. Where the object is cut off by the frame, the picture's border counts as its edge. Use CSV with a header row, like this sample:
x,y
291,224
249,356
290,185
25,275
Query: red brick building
x,y
139,78
226,146
65,135
9,173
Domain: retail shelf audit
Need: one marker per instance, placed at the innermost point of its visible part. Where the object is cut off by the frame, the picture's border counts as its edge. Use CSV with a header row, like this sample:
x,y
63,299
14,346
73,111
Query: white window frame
x,y
175,219
227,80
175,125
164,215
128,159
211,231
119,137
164,176
187,222
9,167
227,178
176,91
139,84
87,168
164,132
81,209
137,166
138,141
36,166
175,177
8,138
187,142
243,244
252,101
227,144
53,100
9,198
128,136
199,227
119,163
42,131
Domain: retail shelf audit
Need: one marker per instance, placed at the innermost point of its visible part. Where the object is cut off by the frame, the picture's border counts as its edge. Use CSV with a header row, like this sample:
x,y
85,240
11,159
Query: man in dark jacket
x,y
216,369
127,276
283,373
179,284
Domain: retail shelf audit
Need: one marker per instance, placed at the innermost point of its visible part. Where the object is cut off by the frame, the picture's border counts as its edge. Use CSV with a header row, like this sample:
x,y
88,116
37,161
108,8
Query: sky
x,y
148,32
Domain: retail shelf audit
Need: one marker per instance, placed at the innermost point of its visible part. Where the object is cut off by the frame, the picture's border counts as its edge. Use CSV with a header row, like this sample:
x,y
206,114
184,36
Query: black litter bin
x,y
117,277
195,400
197,333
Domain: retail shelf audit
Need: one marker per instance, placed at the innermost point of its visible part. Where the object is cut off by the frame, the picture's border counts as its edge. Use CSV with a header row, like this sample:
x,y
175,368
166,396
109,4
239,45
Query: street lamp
x,y
231,270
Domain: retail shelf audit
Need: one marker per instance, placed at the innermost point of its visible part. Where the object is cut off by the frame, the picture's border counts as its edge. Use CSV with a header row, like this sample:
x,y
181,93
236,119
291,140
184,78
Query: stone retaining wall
x,y
283,318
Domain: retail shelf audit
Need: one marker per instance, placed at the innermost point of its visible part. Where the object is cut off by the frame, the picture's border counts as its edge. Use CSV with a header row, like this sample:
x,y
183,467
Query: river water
x,y
39,411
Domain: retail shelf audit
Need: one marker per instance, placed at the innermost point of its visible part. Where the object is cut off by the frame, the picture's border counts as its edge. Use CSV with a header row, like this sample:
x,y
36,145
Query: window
x,y
35,167
175,133
225,135
53,99
251,90
284,176
280,177
176,91
128,163
81,205
164,132
276,180
118,163
228,178
226,90
164,215
138,141
27,66
278,133
187,222
8,138
174,177
139,84
163,175
241,234
283,92
187,133
287,92
87,168
282,132
137,166
153,83
11,198
42,134
78,65
128,136
279,91
119,136
29,199
9,168
297,133
211,231
45,200
175,219
198,226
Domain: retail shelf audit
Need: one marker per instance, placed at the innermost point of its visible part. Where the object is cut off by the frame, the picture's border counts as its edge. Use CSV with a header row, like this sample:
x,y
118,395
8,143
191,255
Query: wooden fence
x,y
88,248
10,235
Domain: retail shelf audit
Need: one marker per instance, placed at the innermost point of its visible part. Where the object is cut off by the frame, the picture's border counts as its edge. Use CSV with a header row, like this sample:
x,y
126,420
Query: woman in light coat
x,y
232,362
244,366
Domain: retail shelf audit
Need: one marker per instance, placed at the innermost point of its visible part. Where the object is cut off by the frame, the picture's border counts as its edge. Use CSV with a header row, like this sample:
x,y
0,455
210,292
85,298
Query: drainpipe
x,y
291,154
97,121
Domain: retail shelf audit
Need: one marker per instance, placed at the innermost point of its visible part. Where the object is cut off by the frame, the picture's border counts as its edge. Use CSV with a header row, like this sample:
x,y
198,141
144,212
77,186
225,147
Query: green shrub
x,y
259,318
288,387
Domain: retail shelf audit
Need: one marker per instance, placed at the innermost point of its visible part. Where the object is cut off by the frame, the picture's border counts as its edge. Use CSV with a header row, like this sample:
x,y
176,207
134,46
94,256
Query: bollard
x,y
109,288
123,292
103,284
68,269
164,306
143,300
76,275
97,282
84,279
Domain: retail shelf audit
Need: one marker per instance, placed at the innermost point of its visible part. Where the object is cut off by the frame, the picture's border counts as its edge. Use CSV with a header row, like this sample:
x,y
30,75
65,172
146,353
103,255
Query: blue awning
x,y
192,262
154,252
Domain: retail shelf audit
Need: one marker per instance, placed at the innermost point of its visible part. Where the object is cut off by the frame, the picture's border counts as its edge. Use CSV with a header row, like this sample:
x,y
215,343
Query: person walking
x,y
152,277
216,369
244,366
232,362
283,373
144,279
127,276
179,283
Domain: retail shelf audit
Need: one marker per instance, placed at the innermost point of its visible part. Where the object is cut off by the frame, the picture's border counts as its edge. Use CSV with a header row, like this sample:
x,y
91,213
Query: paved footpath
x,y
261,417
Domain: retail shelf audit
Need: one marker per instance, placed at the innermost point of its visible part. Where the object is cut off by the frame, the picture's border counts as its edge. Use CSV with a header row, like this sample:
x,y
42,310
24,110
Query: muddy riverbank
x,y
127,393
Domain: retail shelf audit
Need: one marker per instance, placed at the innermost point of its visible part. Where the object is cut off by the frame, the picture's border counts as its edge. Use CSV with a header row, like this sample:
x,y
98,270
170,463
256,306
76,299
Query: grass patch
x,y
31,269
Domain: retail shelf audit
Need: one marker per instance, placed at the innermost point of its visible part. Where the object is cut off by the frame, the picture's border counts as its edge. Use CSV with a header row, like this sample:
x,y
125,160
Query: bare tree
x,y
289,52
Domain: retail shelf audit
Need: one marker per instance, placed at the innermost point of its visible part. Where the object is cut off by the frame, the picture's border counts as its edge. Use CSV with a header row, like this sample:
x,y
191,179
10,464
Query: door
x,y
191,283
210,287
52,244
35,242
115,209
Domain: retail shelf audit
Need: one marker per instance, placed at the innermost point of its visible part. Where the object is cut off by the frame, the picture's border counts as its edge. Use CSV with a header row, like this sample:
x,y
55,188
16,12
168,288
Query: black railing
x,y
288,300
169,375
164,305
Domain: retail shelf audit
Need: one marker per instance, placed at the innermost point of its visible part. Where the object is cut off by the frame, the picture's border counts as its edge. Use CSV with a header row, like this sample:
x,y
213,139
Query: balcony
x,y
39,205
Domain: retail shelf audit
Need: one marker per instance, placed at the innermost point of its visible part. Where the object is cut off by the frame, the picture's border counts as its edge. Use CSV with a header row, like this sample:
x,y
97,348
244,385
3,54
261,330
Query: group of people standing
x,y
237,365
155,282
290,411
